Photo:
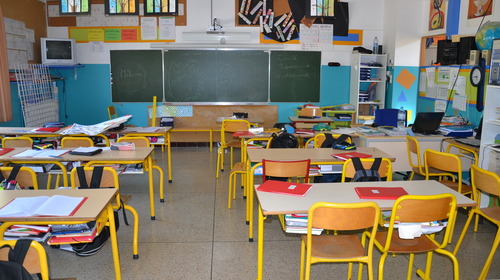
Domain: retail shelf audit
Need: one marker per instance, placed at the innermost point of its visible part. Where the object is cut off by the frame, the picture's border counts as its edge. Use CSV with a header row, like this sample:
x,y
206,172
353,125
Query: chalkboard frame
x,y
313,95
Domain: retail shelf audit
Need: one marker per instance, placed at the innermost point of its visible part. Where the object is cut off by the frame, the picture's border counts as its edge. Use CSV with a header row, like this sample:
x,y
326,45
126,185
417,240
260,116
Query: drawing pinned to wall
x,y
321,8
121,7
437,15
479,8
160,7
74,7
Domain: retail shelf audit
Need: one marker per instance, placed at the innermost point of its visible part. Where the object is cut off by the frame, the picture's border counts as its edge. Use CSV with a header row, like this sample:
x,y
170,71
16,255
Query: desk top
x,y
307,120
316,155
139,154
142,130
273,204
251,119
26,131
90,209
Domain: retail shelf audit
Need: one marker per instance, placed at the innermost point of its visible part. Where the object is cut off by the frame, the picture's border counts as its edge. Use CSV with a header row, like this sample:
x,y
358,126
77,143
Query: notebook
x,y
281,187
346,156
3,151
380,192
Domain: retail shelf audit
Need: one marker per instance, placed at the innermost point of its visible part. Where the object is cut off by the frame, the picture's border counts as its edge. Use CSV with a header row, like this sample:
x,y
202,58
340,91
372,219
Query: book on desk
x,y
380,192
56,205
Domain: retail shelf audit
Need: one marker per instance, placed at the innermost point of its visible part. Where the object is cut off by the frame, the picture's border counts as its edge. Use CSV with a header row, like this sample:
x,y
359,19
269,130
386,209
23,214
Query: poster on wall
x,y
437,14
479,8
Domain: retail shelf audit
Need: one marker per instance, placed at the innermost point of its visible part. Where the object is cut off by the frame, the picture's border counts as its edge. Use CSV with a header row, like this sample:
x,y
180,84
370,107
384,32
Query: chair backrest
x,y
17,142
421,209
447,162
109,177
231,126
35,261
413,148
75,142
340,216
26,177
112,112
286,169
385,169
484,181
139,141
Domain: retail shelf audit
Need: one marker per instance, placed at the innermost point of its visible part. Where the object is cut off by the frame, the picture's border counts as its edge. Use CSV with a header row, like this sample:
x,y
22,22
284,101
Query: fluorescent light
x,y
212,37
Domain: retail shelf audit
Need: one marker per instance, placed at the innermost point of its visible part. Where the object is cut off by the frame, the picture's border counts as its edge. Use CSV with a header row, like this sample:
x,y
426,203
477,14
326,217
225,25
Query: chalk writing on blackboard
x,y
130,77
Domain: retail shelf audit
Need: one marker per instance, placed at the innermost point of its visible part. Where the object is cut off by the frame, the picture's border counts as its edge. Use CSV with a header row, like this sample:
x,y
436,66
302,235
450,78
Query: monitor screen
x,y
58,49
428,122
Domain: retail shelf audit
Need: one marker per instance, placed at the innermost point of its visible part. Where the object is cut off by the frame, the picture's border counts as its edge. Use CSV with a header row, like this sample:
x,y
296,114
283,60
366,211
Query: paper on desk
x,y
96,128
46,153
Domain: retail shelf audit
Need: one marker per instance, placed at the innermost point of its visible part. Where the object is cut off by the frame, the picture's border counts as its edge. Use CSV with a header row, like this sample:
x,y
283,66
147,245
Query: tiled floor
x,y
195,236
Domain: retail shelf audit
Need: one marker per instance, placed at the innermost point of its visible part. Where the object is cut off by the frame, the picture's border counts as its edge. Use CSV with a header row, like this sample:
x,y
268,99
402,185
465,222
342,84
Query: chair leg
x,y
411,176
428,265
464,230
349,271
381,266
456,268
487,264
410,266
135,238
49,181
302,258
162,182
230,190
218,163
58,181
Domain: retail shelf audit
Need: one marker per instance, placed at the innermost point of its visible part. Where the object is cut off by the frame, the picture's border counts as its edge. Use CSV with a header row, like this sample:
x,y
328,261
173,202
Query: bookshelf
x,y
490,130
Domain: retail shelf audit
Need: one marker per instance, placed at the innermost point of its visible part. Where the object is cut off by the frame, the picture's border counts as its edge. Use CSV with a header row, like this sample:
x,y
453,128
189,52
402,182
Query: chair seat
x,y
454,186
431,170
336,246
418,245
492,212
234,144
239,167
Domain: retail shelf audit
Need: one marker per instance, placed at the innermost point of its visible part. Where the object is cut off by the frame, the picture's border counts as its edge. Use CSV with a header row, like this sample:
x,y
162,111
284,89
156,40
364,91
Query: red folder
x,y
380,192
281,187
242,133
3,151
346,156
48,129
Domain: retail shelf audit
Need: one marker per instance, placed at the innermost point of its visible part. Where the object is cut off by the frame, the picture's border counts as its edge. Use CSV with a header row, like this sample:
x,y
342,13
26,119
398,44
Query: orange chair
x,y
17,142
26,177
343,247
227,141
35,261
440,164
385,169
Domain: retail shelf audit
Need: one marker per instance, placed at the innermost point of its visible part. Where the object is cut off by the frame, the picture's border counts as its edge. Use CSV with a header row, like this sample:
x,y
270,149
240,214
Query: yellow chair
x,y
17,142
241,168
418,209
141,141
112,112
385,169
414,159
443,165
340,248
26,176
35,261
483,181
110,179
227,141
319,138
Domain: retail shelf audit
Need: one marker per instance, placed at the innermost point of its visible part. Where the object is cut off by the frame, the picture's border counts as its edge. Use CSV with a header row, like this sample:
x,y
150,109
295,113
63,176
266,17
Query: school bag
x,y
13,269
339,143
10,183
366,175
284,140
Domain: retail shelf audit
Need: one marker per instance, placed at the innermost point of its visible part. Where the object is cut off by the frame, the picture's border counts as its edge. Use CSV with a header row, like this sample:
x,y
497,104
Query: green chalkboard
x,y
295,76
216,76
136,75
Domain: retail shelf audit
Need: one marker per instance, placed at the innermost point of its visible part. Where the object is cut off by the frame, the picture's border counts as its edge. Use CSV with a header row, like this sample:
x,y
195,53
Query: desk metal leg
x,y
169,157
260,246
151,188
114,242
250,198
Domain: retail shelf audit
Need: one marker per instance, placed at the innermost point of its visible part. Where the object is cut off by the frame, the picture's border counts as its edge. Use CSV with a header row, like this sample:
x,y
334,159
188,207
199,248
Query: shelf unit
x,y
368,76
491,128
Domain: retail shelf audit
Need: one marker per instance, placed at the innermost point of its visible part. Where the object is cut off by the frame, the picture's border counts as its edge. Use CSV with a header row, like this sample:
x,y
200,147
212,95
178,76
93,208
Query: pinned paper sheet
x,y
459,102
440,106
453,77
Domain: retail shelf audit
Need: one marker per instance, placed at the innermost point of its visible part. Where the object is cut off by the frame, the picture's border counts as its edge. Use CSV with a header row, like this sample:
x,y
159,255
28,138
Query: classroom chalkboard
x,y
295,76
136,75
215,76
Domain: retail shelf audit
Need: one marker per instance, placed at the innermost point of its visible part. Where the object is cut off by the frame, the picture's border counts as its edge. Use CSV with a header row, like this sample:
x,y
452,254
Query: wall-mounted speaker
x,y
486,54
474,57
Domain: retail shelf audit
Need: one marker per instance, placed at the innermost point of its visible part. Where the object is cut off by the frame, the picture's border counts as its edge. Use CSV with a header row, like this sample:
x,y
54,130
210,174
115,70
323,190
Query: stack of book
x,y
78,233
369,131
297,223
392,131
33,232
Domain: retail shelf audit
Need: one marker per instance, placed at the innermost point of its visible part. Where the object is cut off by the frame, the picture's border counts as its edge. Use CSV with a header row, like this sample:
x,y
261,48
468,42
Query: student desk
x,y
317,156
462,148
274,204
139,155
162,131
28,132
97,204
309,123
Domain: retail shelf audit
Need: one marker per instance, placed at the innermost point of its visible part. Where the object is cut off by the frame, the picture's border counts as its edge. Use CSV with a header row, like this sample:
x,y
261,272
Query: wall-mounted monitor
x,y
58,51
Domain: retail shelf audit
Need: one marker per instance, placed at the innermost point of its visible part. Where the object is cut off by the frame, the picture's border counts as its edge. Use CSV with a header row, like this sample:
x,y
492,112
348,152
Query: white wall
x,y
367,15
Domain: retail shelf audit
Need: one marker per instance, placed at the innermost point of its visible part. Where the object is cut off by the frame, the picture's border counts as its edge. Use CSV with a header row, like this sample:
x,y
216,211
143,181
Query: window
x,y
121,7
160,7
74,7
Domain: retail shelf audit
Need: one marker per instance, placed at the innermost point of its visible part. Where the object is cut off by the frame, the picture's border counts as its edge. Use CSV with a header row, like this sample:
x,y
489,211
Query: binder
x,y
380,192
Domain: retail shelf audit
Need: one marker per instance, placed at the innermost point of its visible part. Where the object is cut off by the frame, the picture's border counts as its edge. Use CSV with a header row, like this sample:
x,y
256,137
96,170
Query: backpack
x,y
284,140
364,175
10,183
339,143
285,127
13,269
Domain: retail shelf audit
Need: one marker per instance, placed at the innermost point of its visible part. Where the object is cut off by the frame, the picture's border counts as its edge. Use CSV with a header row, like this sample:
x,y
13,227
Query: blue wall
x,y
84,100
